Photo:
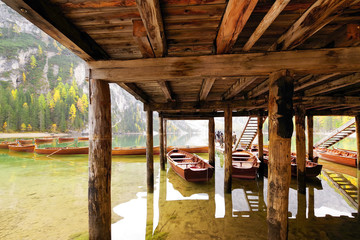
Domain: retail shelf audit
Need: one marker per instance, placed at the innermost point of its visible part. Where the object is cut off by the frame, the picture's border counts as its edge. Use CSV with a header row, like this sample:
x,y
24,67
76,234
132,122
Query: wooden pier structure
x,y
204,59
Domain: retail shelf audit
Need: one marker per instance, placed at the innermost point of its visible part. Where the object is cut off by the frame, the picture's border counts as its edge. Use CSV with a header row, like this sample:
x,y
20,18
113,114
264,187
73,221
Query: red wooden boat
x,y
133,150
62,150
25,141
340,156
244,164
312,168
83,139
190,167
22,148
65,139
5,144
43,140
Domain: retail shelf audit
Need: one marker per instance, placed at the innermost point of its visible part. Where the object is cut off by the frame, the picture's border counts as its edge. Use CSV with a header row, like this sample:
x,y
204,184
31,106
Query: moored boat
x,y
22,148
340,156
25,141
5,144
133,150
244,164
43,140
191,149
62,150
190,167
312,169
65,139
83,139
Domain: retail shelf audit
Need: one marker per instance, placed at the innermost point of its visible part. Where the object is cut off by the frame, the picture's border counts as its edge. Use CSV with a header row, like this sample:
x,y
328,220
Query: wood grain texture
x,y
249,64
205,88
300,147
357,126
135,91
151,16
280,155
228,150
149,152
140,36
234,19
260,121
238,86
166,89
99,194
212,142
310,135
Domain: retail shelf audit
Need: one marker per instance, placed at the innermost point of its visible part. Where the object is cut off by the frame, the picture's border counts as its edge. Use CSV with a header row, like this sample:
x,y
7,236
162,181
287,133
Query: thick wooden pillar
x,y
99,193
310,133
228,150
357,125
300,148
280,131
149,152
311,208
162,149
212,142
261,143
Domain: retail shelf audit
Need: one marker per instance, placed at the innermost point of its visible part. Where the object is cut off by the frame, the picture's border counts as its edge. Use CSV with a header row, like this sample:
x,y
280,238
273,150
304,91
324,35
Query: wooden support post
x,y
261,144
300,148
357,126
280,132
228,150
162,150
149,152
165,138
212,142
310,132
99,193
311,208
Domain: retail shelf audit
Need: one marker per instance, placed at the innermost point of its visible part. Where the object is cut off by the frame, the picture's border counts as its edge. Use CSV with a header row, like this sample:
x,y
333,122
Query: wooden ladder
x,y
249,133
337,135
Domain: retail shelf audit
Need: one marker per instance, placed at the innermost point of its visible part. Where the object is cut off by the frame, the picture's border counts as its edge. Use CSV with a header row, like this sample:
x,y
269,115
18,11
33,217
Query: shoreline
x,y
31,135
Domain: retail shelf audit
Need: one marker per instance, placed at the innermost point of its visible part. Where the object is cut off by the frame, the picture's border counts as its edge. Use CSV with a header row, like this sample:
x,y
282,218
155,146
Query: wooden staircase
x,y
248,134
337,135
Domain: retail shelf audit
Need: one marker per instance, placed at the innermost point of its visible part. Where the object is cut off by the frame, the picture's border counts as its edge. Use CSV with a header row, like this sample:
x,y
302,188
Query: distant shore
x,y
31,135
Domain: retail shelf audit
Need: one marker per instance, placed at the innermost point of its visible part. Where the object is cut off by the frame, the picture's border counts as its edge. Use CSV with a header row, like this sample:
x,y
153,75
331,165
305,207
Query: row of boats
x,y
38,141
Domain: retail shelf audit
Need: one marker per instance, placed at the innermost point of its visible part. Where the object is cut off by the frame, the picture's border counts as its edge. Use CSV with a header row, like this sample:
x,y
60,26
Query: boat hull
x,y
5,145
133,151
43,140
63,151
17,148
64,140
25,141
312,169
341,158
245,165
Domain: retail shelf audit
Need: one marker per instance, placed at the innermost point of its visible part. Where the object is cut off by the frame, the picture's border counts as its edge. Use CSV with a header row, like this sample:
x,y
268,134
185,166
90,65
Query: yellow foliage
x,y
72,112
29,127
24,76
23,127
5,125
25,105
56,95
71,70
80,105
51,104
14,93
85,101
53,127
40,51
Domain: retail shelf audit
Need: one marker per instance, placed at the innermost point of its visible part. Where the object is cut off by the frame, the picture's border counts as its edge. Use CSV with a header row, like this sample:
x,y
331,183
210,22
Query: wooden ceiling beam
x,y
141,38
165,87
269,18
234,19
319,61
134,90
316,17
334,85
48,18
260,89
307,82
329,101
151,16
238,86
333,113
205,88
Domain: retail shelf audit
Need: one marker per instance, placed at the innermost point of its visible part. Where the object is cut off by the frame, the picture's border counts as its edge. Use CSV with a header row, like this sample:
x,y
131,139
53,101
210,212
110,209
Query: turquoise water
x,y
46,198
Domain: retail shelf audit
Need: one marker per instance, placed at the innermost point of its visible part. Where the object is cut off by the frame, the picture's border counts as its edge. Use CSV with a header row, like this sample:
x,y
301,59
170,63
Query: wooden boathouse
x,y
200,59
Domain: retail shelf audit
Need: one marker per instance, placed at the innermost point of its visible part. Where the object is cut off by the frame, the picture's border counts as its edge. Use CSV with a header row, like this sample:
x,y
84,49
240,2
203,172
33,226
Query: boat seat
x,y
181,159
187,163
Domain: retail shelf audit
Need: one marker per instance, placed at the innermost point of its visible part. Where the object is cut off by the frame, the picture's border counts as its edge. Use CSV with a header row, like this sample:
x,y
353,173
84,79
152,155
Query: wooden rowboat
x,y
244,164
190,167
62,150
83,139
25,141
340,156
22,148
312,169
65,139
43,140
133,150
190,149
5,144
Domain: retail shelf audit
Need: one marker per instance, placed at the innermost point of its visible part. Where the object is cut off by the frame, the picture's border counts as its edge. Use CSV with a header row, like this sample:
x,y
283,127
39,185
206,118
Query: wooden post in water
x,y
280,130
228,150
99,193
212,142
357,126
149,152
310,133
162,150
300,148
261,144
165,138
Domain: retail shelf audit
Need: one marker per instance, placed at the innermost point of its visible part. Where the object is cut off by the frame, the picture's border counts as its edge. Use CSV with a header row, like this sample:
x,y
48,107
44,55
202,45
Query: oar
x,y
59,150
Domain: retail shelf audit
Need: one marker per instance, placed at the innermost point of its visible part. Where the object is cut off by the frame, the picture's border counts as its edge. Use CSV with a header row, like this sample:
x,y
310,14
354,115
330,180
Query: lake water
x,y
46,198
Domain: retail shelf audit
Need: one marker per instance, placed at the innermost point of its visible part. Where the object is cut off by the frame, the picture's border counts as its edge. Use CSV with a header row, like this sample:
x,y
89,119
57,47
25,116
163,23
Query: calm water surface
x,y
46,198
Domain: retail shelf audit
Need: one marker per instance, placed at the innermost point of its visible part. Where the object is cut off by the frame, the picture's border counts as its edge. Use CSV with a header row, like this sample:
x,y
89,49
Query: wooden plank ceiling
x,y
178,29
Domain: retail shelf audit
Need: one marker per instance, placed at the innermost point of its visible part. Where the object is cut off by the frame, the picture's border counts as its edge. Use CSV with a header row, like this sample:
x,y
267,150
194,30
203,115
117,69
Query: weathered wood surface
x,y
135,91
151,16
99,194
228,150
238,86
235,17
300,148
260,138
161,140
248,64
149,152
212,142
357,125
205,88
165,88
281,129
269,18
165,138
140,36
310,135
